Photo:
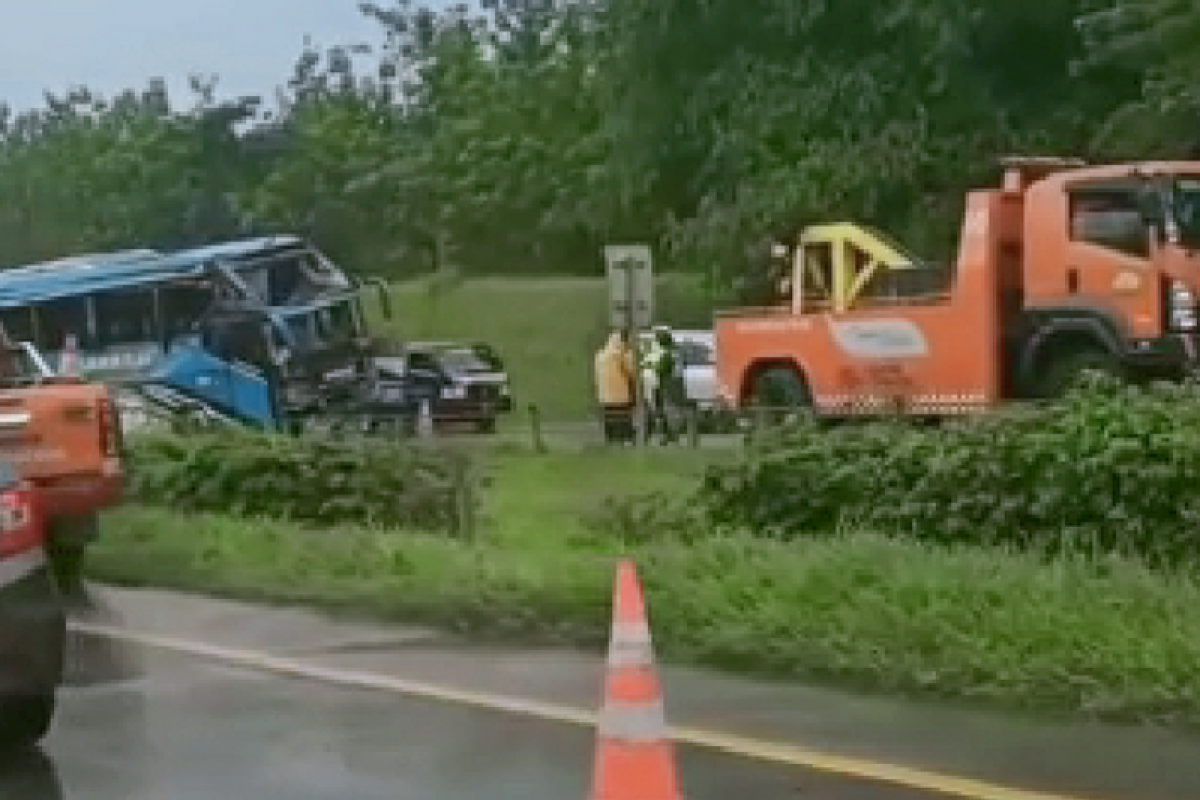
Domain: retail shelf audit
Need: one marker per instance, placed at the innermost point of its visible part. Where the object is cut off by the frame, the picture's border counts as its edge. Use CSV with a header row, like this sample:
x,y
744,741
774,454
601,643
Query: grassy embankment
x,y
1107,638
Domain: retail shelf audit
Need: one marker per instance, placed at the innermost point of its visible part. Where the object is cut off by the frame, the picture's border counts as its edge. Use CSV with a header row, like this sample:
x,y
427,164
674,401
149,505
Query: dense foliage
x,y
1110,469
308,480
520,137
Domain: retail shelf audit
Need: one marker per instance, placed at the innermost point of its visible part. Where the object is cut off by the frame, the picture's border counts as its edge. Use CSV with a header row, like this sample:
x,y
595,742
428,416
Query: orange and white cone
x,y
635,758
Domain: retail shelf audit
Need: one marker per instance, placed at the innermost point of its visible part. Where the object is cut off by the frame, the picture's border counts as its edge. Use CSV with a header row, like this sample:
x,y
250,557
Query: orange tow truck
x,y
62,434
1062,268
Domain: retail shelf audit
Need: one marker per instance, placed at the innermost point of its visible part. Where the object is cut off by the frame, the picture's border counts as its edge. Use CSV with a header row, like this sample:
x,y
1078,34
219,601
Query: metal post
x,y
535,429
631,330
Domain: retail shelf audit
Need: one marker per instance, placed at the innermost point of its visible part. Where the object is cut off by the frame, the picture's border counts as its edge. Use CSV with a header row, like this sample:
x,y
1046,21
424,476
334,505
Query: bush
x,y
309,479
1110,468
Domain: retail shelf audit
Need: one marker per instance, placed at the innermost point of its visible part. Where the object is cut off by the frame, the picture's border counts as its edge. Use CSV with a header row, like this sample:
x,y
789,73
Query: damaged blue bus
x,y
265,332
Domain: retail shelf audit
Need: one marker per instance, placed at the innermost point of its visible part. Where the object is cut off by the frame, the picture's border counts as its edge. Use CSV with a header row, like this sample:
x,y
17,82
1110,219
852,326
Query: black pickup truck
x,y
462,382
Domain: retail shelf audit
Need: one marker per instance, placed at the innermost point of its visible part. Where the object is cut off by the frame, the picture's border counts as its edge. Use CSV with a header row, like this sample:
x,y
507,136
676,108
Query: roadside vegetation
x,y
531,133
1111,469
766,562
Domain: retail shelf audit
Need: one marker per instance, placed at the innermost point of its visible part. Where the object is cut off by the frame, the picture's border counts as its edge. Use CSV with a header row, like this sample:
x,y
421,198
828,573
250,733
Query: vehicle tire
x,y
27,772
25,719
1063,370
486,425
779,394
67,560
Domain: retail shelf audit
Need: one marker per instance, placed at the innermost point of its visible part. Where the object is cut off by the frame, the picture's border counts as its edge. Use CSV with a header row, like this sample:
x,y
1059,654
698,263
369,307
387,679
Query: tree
x,y
1153,41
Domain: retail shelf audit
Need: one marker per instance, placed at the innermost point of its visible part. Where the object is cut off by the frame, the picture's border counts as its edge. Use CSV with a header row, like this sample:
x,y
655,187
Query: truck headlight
x,y
1182,306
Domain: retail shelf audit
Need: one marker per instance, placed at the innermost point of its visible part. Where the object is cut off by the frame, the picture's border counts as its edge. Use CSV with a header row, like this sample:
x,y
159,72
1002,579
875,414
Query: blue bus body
x,y
136,316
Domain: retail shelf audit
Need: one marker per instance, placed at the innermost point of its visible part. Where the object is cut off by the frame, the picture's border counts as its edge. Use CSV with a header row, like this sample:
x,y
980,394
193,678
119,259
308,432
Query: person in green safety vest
x,y
659,365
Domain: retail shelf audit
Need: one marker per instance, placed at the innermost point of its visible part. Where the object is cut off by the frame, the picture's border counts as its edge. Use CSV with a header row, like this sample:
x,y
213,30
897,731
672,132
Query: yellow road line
x,y
745,747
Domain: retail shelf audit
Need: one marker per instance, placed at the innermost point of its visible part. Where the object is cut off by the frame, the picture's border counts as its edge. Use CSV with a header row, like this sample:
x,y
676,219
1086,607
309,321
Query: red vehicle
x,y
63,435
1062,268
32,620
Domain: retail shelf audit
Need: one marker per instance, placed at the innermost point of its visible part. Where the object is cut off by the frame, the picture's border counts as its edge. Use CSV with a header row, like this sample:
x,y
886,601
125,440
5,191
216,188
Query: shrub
x,y
308,479
1110,467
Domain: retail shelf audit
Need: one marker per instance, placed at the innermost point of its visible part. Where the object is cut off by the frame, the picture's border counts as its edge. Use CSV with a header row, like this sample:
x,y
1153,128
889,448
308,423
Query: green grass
x,y
550,498
1102,638
547,329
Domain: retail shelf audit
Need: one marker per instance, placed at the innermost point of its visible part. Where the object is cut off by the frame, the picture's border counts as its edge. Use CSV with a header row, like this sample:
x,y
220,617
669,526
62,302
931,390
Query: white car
x,y
697,360
697,357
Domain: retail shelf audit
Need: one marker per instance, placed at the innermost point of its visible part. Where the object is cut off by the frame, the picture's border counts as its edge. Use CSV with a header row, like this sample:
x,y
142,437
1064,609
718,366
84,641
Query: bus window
x,y
182,307
60,318
336,323
285,279
18,324
125,318
301,328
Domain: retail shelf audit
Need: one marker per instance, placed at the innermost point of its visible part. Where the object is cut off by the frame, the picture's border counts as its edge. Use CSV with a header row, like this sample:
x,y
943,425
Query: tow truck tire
x,y
25,719
66,551
66,564
780,392
1062,371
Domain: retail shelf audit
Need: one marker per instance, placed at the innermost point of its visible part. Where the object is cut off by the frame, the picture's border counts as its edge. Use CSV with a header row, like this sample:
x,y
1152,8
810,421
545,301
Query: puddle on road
x,y
95,660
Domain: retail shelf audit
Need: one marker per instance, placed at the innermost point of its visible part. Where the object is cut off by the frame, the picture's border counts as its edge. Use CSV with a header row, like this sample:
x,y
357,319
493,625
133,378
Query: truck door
x,y
1108,256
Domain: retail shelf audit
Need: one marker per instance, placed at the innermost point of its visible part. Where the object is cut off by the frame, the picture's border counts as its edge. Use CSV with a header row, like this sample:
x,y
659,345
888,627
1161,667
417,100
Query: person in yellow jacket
x,y
615,386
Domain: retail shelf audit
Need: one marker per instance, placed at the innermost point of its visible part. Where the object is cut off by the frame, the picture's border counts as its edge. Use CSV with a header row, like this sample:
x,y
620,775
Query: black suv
x,y
463,383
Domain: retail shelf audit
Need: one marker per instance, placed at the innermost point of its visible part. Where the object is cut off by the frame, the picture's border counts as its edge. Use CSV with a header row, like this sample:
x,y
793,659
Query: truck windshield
x,y
1186,209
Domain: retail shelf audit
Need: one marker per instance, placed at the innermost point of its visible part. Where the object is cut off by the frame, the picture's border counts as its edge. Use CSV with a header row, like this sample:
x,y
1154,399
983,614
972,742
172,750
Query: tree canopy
x,y
520,137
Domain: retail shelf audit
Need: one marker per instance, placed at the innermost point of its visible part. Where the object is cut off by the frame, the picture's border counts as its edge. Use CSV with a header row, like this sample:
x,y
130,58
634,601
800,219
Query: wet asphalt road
x,y
190,731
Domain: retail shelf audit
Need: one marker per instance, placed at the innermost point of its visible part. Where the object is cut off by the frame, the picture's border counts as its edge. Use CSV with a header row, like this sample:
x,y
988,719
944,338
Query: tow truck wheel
x,y
780,394
66,564
1064,370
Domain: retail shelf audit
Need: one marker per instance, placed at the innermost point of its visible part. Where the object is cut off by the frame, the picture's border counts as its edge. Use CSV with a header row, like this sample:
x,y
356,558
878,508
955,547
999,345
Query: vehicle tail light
x,y
20,527
110,430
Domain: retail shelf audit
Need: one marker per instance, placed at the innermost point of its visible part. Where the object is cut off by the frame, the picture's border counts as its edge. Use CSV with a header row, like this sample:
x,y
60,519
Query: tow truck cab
x,y
1110,272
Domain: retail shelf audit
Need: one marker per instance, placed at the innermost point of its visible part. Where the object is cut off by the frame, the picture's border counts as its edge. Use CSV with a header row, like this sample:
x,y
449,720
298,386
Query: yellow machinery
x,y
834,266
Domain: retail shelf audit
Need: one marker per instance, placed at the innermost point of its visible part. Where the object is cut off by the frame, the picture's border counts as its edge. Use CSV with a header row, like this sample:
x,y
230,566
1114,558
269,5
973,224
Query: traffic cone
x,y
68,362
635,759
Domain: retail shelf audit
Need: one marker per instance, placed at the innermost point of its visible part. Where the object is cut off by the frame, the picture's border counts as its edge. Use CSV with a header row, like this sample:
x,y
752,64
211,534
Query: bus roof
x,y
89,274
